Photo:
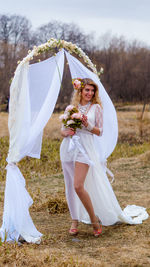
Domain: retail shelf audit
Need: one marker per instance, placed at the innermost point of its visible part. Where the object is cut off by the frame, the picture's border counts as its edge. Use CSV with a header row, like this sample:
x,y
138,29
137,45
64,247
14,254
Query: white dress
x,y
81,148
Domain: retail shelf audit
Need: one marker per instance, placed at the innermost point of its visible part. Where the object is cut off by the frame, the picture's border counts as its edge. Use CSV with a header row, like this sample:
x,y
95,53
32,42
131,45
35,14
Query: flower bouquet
x,y
72,118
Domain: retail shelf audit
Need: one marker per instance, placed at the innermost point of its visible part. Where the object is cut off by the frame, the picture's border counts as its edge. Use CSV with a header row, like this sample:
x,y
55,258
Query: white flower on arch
x,y
60,44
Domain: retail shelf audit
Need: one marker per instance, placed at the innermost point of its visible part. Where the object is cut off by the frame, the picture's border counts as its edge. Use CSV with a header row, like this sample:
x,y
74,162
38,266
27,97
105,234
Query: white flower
x,y
73,46
63,42
76,115
70,122
70,107
52,43
101,70
66,116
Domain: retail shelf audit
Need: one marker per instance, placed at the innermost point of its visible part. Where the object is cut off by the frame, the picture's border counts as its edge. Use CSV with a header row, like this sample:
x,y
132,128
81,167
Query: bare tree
x,y
126,69
14,42
65,31
126,65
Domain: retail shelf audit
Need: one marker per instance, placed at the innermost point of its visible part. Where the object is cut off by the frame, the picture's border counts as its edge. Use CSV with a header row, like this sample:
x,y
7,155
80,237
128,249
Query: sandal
x,y
97,232
73,231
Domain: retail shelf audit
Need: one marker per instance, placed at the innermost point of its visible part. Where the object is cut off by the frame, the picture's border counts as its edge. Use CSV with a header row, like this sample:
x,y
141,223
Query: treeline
x,y
126,65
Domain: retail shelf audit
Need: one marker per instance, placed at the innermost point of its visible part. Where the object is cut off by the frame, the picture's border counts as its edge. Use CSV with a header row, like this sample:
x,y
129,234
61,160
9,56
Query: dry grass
x,y
131,129
120,245
51,130
3,124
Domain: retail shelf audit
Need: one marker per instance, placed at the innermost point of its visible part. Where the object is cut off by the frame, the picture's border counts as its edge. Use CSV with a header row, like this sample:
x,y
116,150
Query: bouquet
x,y
72,118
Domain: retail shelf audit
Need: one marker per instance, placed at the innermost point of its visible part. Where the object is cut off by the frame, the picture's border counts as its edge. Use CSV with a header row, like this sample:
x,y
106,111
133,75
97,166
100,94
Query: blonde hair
x,y
77,93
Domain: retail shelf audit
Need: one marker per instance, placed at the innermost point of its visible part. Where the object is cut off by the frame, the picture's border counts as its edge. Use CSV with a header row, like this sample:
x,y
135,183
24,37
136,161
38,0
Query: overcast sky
x,y
130,18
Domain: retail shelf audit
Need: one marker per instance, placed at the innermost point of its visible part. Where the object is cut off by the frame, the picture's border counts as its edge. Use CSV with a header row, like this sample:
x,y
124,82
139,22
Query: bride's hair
x,y
77,93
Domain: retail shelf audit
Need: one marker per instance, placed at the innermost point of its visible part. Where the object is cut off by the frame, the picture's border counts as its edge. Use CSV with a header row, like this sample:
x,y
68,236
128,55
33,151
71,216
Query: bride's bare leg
x,y
81,170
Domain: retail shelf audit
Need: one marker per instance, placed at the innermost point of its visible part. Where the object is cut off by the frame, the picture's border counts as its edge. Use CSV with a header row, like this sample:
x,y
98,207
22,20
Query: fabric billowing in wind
x,y
107,142
33,95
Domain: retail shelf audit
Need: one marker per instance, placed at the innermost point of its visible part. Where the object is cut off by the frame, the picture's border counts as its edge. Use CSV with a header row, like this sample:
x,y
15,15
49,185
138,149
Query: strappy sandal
x,y
97,232
73,231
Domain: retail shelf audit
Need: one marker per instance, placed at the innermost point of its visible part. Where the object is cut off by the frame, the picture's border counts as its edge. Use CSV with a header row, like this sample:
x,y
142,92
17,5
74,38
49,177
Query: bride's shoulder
x,y
97,106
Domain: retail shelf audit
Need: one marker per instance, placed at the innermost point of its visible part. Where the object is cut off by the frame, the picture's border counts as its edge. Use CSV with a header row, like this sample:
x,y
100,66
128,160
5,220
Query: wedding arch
x,y
33,94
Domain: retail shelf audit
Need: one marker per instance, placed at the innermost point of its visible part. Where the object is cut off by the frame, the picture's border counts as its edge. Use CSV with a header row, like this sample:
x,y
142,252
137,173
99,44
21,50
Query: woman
x,y
89,194
87,101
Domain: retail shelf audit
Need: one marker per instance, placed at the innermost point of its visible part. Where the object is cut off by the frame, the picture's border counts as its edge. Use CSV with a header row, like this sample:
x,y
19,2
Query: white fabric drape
x,y
97,184
106,143
16,218
33,95
37,95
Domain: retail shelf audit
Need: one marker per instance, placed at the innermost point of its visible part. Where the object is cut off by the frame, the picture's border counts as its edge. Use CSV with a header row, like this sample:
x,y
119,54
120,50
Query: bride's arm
x,y
96,131
98,120
98,127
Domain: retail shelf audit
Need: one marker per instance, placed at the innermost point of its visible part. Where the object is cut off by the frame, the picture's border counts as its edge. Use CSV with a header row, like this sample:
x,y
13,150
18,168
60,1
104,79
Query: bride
x,y
89,194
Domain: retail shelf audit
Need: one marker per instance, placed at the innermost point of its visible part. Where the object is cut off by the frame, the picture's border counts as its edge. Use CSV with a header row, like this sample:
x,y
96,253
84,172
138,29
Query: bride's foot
x,y
73,229
97,227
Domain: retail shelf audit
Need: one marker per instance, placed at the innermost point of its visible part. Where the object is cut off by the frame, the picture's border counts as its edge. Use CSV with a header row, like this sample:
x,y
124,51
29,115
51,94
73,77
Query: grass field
x,y
120,245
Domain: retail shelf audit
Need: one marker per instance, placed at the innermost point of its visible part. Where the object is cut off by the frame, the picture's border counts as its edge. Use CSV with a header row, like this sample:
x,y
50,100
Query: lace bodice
x,y
94,116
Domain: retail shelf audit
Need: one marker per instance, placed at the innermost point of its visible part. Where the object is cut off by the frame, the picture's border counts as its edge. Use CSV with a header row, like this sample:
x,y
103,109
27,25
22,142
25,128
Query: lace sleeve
x,y
99,118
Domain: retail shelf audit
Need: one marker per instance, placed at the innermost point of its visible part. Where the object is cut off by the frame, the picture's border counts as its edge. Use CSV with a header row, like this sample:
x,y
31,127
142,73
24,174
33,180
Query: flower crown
x,y
77,83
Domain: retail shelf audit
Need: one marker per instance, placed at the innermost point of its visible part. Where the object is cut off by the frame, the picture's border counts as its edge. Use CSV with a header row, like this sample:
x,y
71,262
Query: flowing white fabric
x,y
105,144
97,148
33,95
16,219
39,89
104,201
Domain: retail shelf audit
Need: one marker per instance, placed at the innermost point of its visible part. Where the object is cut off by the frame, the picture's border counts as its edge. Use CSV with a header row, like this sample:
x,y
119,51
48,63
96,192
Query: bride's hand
x,y
69,131
84,120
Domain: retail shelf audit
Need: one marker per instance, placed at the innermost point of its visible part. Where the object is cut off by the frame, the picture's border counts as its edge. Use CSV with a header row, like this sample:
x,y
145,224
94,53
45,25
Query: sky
x,y
129,18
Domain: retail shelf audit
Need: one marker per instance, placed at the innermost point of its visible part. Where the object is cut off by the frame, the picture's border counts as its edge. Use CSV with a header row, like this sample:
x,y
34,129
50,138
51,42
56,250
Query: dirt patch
x,y
119,245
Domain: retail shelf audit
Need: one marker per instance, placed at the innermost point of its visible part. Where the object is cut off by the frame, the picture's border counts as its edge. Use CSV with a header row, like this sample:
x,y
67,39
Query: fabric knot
x,y
11,164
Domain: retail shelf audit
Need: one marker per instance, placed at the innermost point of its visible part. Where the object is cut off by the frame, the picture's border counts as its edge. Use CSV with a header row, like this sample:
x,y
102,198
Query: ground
x,y
120,245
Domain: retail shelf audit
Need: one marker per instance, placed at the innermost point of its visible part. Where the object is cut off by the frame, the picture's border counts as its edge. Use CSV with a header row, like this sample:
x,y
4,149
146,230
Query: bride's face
x,y
87,93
